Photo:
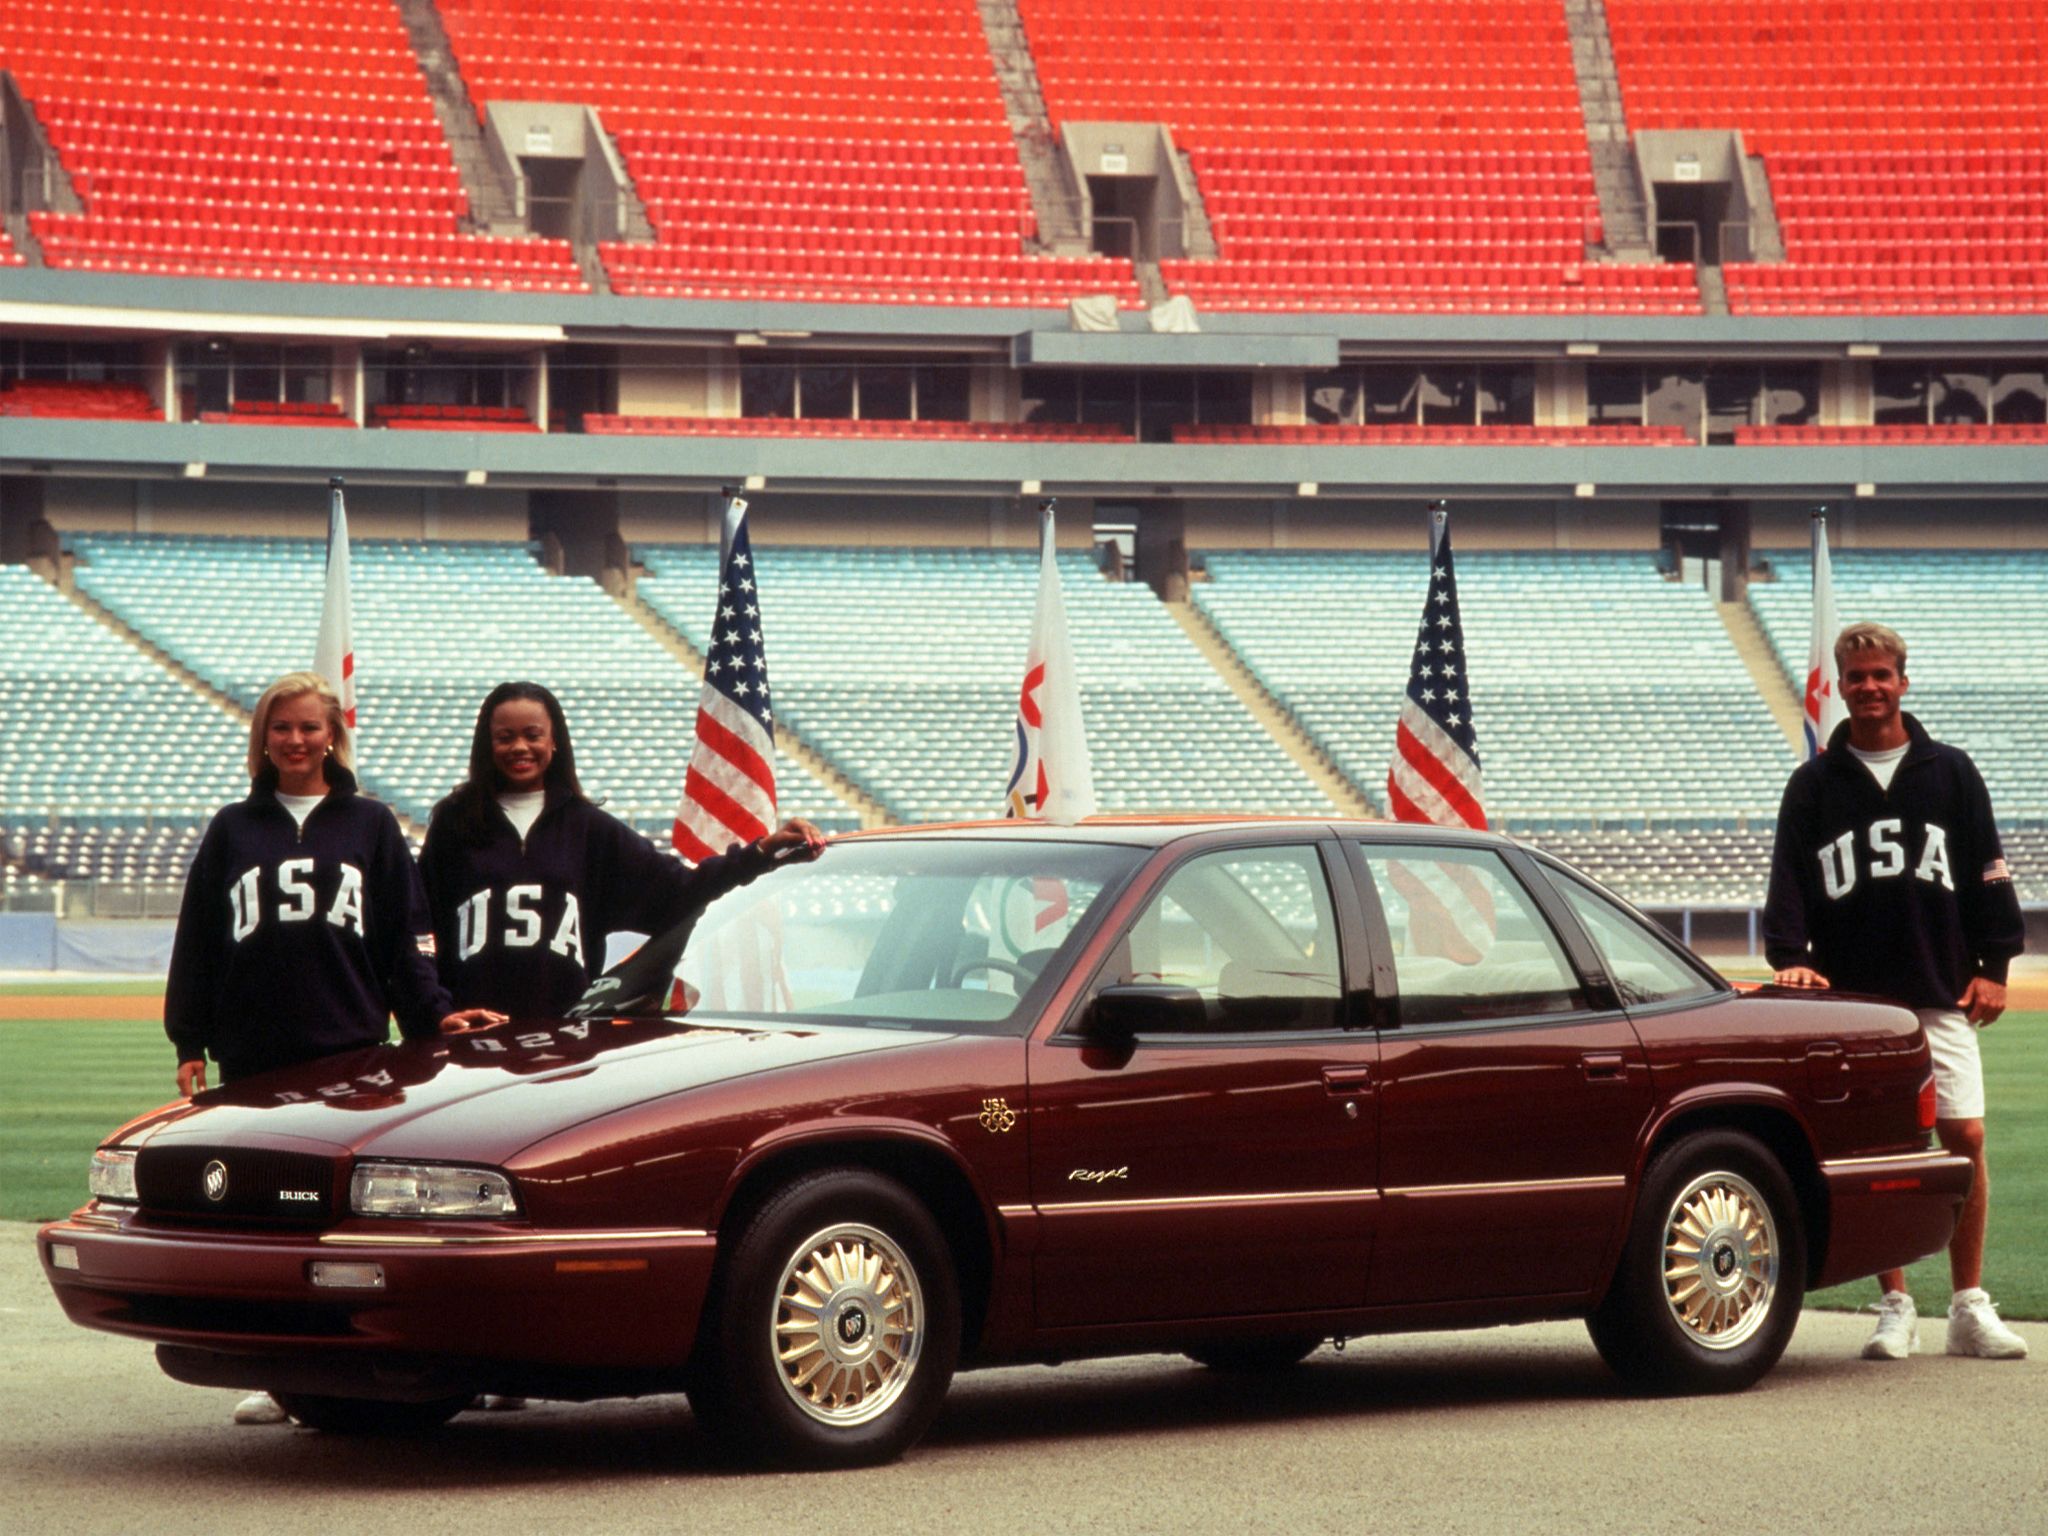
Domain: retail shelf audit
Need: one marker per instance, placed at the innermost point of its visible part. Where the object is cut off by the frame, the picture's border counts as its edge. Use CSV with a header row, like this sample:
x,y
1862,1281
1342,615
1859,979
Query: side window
x,y
1641,964
1468,941
1252,930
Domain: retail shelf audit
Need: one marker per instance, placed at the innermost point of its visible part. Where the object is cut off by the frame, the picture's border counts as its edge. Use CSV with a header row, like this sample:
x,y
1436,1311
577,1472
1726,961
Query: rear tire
x,y
369,1416
1708,1290
1254,1357
834,1326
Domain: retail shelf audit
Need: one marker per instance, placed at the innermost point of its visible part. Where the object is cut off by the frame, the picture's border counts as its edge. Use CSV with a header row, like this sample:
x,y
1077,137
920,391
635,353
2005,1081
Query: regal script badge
x,y
997,1116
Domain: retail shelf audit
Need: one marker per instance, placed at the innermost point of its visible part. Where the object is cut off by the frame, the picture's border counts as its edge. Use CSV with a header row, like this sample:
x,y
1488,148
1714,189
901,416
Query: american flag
x,y
1434,777
729,790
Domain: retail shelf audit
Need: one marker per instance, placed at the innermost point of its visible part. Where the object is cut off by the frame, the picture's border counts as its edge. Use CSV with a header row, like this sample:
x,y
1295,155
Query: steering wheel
x,y
1024,974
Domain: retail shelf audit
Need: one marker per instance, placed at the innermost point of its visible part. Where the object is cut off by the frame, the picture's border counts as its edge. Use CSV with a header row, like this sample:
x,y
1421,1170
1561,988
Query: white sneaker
x,y
260,1408
1974,1328
1898,1328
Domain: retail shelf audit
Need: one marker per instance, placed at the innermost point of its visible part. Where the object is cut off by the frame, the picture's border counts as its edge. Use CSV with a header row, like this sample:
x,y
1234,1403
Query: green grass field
x,y
64,1083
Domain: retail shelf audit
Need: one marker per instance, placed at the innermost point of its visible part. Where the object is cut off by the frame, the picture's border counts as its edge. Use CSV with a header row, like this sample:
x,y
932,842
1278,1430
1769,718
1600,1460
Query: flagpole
x,y
729,523
334,648
1821,706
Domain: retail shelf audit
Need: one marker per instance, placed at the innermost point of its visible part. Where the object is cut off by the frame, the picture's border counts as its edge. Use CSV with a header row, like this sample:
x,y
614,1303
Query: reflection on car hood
x,y
494,1091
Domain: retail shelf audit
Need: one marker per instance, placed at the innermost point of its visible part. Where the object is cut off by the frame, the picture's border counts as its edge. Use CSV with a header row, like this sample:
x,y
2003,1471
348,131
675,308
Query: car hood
x,y
497,1090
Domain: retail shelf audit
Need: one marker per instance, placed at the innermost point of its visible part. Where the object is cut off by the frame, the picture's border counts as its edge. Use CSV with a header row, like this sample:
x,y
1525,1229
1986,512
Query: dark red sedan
x,y
980,1094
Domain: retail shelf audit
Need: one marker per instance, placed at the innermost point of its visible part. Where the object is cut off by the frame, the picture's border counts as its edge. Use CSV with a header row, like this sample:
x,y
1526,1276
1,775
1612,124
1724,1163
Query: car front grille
x,y
239,1184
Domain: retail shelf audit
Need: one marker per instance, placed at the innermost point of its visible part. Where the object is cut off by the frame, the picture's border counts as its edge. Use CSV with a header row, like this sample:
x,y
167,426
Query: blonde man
x,y
1888,878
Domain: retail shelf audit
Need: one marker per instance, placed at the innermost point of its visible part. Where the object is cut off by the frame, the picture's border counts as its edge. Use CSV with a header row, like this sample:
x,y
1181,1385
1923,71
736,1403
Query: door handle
x,y
1342,1080
1604,1066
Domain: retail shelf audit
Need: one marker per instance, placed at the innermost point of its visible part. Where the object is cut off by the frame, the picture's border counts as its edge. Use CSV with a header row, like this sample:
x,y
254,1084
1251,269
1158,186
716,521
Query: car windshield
x,y
916,933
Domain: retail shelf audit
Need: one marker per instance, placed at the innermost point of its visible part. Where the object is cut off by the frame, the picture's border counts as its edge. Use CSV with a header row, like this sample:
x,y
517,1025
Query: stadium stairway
x,y
1753,647
1053,204
1277,719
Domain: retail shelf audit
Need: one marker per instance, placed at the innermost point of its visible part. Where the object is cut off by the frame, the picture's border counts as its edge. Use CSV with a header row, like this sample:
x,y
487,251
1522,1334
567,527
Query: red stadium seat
x,y
302,150
1907,143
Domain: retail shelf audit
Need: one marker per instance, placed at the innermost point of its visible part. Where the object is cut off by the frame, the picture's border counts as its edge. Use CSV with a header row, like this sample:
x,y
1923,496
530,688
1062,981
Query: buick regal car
x,y
997,1093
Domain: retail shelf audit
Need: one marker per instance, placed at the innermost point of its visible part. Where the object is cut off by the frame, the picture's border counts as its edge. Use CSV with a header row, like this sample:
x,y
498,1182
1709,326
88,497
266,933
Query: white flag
x,y
335,656
1052,779
1823,703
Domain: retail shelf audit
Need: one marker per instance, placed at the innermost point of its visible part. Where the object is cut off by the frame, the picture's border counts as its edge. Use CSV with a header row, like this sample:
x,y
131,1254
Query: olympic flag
x,y
1052,778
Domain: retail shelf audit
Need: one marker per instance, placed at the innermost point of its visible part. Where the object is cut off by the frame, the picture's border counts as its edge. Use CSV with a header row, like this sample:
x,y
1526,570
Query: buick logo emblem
x,y
214,1179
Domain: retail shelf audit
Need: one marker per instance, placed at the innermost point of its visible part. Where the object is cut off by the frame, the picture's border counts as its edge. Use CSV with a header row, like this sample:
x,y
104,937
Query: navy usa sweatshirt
x,y
1900,892
298,941
520,923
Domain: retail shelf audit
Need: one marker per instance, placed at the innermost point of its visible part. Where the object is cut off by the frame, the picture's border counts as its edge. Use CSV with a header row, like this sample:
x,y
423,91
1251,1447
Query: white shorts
x,y
1958,1064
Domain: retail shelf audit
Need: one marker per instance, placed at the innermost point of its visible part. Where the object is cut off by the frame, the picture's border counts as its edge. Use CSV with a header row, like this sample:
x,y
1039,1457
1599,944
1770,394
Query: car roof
x,y
1159,830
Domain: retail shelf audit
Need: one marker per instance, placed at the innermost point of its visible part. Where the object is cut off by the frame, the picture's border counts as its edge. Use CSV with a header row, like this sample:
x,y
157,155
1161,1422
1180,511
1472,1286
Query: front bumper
x,y
491,1302
1886,1212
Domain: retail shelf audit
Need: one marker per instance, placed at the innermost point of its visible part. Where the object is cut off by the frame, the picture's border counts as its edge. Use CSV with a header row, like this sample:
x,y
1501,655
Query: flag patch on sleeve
x,y
426,940
1996,871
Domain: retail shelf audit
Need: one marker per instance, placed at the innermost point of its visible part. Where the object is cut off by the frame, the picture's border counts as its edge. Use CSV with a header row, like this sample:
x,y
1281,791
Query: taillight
x,y
1927,1103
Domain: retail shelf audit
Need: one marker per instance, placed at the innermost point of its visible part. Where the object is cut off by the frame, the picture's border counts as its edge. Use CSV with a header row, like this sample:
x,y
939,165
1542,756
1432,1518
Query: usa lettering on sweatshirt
x,y
296,941
1900,891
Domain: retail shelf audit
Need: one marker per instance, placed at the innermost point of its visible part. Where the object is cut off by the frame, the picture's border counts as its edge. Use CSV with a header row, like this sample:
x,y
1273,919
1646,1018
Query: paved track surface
x,y
1515,1430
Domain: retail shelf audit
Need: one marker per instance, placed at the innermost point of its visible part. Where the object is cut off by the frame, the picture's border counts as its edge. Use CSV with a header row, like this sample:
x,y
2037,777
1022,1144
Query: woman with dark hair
x,y
526,877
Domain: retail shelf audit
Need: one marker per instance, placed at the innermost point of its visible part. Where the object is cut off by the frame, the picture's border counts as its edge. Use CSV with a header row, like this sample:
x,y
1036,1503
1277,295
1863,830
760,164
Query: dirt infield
x,y
72,1005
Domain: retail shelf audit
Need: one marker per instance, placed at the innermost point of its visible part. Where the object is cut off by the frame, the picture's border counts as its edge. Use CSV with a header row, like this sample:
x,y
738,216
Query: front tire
x,y
369,1416
1708,1290
835,1326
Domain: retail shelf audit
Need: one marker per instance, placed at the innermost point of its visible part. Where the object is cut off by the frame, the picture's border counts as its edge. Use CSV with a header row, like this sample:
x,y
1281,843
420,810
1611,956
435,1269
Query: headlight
x,y
113,1175
426,1189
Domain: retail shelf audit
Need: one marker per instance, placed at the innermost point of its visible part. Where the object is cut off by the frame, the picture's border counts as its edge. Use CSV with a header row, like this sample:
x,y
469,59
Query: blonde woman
x,y
304,925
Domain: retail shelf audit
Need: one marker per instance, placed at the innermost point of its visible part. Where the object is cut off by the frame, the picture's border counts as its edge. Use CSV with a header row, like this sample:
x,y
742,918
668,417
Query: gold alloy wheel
x,y
848,1325
1720,1260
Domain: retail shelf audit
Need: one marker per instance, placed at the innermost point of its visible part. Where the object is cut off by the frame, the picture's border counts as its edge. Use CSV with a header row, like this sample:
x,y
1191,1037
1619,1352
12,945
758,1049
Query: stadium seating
x,y
92,401
790,149
1438,436
1599,689
904,666
1907,143
295,142
1686,866
789,426
9,256
77,705
436,627
1978,653
1404,155
2002,432
452,418
280,413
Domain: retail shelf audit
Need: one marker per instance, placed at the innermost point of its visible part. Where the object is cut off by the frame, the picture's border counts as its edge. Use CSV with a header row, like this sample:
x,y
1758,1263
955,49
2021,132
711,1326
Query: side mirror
x,y
1121,1013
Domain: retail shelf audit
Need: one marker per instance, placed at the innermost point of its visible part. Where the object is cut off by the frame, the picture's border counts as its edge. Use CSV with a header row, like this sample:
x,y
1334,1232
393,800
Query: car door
x,y
1222,1168
1513,1090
